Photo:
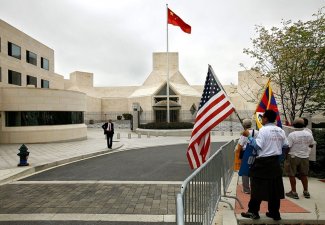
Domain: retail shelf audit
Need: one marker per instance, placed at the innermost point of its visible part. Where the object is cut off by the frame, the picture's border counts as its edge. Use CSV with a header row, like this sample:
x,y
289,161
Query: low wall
x,y
43,134
180,132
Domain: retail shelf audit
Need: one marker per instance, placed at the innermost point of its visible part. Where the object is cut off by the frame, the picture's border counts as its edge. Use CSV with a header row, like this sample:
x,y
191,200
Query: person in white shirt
x,y
242,143
297,160
266,172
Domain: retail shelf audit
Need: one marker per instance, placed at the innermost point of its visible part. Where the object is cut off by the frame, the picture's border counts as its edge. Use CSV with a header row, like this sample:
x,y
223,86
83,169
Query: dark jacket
x,y
105,125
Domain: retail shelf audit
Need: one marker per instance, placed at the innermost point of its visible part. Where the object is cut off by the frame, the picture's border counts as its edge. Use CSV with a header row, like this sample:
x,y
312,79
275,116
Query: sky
x,y
115,40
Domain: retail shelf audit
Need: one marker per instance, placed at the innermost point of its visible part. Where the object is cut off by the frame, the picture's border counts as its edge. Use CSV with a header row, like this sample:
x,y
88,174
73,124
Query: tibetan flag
x,y
267,102
215,107
177,21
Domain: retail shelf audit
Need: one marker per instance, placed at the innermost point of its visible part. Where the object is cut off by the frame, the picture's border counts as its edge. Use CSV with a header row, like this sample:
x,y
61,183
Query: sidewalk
x,y
293,211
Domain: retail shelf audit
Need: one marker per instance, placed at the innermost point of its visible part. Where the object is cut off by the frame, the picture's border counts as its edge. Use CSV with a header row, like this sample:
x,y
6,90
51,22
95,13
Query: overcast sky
x,y
115,39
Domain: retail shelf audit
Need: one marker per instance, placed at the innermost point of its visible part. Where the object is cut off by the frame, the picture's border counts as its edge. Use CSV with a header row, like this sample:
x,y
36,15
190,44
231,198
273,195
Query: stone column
x,y
135,115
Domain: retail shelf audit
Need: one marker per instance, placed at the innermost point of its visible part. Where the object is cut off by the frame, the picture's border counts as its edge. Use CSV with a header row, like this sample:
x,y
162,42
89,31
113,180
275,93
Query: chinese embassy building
x,y
38,105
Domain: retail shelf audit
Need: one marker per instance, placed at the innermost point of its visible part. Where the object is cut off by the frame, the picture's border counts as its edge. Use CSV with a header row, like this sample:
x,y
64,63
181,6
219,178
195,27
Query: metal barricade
x,y
228,158
201,191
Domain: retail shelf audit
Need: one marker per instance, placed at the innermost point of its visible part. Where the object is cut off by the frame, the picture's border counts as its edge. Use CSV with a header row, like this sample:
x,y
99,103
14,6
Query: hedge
x,y
317,169
167,126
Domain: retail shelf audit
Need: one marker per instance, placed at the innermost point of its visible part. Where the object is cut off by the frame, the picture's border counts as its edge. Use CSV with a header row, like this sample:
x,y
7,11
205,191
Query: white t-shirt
x,y
270,139
308,130
244,140
299,142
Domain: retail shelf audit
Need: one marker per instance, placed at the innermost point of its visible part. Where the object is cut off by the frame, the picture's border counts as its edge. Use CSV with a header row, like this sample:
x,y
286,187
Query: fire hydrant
x,y
23,155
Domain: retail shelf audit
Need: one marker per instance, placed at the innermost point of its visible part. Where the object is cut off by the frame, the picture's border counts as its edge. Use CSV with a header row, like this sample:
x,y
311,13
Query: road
x,y
138,186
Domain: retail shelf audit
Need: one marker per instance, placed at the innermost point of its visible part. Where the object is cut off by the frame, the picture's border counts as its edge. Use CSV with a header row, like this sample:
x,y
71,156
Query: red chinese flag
x,y
177,21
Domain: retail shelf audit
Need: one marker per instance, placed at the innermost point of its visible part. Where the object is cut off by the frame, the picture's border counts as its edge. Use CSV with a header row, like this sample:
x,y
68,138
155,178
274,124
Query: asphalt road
x,y
163,163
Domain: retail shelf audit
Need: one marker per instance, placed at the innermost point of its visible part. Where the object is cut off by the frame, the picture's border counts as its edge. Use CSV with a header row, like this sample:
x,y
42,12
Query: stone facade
x,y
26,95
29,87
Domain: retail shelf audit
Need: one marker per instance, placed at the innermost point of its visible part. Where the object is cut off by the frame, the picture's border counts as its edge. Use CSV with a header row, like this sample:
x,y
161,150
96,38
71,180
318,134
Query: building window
x,y
45,84
39,118
31,58
14,77
31,80
14,50
44,63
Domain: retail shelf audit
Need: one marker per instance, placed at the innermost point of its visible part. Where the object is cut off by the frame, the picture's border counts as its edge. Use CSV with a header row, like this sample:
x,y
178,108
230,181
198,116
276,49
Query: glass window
x,y
14,77
31,80
44,63
45,84
31,58
14,50
38,118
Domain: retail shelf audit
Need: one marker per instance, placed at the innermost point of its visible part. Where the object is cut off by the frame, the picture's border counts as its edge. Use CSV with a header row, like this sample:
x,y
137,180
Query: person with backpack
x,y
242,144
266,172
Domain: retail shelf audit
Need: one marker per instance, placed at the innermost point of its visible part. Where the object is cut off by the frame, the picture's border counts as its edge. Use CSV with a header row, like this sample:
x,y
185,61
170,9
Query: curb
x,y
42,167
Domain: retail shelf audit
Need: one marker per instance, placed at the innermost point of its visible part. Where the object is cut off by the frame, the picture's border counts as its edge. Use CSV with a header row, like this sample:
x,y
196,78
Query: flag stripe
x,y
212,102
210,126
214,108
212,120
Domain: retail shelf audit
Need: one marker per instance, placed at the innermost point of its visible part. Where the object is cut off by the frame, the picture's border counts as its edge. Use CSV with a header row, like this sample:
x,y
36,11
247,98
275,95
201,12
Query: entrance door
x,y
161,116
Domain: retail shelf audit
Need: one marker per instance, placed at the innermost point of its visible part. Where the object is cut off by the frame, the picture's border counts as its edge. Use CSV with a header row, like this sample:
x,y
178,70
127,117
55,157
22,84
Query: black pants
x,y
273,206
109,138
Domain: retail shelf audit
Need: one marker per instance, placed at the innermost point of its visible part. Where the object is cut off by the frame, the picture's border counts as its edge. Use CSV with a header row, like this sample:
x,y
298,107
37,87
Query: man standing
x,y
266,172
297,161
109,132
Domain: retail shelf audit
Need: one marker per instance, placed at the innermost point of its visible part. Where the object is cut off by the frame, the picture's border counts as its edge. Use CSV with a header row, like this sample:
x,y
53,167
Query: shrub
x,y
167,126
127,116
318,125
91,121
119,117
317,169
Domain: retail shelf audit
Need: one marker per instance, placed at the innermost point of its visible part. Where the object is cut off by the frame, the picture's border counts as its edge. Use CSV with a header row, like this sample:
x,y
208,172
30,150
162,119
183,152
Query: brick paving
x,y
287,206
156,199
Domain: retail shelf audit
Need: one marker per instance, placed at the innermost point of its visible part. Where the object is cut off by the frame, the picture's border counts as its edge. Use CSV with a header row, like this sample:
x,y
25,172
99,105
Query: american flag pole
x,y
235,111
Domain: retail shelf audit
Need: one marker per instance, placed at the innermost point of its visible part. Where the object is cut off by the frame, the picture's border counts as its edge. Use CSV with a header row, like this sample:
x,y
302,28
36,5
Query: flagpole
x,y
240,120
168,119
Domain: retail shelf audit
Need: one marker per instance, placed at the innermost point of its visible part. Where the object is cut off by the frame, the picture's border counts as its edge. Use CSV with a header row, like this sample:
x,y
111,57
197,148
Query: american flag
x,y
214,108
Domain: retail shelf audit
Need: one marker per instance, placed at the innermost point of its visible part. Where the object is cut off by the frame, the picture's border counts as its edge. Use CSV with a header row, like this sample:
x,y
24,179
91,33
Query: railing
x,y
228,159
201,191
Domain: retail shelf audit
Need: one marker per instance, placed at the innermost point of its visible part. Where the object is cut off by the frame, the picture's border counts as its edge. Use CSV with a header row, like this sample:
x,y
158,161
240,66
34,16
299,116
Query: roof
x,y
180,89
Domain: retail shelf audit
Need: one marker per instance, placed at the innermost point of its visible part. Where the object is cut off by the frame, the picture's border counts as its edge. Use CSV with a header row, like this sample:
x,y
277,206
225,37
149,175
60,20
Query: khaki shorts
x,y
296,165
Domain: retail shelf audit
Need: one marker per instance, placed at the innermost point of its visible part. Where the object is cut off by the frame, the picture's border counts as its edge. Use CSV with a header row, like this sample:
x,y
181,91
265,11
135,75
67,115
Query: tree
x,y
294,58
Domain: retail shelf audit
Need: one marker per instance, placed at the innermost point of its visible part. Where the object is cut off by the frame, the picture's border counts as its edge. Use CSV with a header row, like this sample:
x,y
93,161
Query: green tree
x,y
293,56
